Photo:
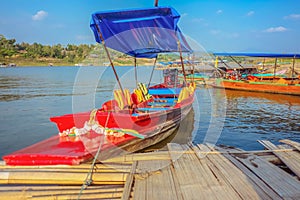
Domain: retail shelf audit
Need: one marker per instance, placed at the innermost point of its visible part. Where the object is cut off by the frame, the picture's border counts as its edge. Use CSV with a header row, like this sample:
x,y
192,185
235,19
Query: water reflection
x,y
288,100
29,96
252,116
182,135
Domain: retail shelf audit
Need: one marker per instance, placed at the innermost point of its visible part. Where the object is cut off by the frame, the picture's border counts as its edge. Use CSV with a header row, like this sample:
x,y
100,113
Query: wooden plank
x,y
280,181
290,159
129,182
197,179
233,176
294,144
25,177
51,192
262,189
154,180
109,195
130,158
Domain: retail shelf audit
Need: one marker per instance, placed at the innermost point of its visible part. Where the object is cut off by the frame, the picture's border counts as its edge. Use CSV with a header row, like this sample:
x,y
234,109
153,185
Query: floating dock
x,y
181,172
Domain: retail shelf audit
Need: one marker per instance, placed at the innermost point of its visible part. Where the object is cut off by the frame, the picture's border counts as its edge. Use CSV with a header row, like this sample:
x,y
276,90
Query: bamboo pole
x,y
293,69
61,192
17,188
236,62
37,177
182,64
108,167
95,170
110,60
135,72
154,64
226,66
263,67
275,69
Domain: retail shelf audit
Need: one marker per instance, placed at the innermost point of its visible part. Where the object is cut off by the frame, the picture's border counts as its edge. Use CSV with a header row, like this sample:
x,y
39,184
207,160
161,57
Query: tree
x,y
7,47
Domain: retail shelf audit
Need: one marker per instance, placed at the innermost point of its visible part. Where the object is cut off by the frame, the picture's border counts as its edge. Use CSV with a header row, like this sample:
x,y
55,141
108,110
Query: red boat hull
x,y
154,126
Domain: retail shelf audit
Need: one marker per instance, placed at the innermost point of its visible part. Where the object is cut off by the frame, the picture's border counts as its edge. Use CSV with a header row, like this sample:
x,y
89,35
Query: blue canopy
x,y
266,55
140,32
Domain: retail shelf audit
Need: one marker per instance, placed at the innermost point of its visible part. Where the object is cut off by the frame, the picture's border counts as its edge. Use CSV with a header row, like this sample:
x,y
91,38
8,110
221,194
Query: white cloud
x,y
215,32
276,29
40,15
198,20
184,14
292,16
219,12
250,13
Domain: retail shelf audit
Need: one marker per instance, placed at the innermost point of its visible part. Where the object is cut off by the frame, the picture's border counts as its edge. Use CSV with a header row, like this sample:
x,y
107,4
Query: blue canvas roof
x,y
140,32
266,55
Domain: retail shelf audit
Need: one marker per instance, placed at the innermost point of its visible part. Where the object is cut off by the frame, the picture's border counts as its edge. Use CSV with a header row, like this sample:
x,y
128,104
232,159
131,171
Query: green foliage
x,y
7,47
71,53
39,54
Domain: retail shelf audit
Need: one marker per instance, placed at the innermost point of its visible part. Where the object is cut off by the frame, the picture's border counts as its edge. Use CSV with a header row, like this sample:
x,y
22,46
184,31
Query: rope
x,y
88,180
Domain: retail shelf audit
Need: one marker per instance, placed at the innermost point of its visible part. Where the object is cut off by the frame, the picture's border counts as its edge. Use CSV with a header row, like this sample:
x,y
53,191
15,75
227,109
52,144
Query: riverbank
x,y
42,62
39,62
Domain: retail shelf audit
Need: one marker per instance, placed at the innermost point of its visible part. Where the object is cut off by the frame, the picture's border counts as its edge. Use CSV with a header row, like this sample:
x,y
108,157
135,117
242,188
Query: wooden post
x,y
226,66
156,3
275,69
263,67
236,62
135,72
110,60
293,69
193,70
181,59
152,71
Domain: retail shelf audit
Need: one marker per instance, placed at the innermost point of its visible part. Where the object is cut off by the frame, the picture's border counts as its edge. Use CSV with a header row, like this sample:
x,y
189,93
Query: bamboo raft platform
x,y
180,172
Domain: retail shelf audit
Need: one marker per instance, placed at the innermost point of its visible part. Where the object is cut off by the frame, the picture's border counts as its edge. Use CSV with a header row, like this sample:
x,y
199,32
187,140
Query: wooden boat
x,y
132,120
251,82
258,86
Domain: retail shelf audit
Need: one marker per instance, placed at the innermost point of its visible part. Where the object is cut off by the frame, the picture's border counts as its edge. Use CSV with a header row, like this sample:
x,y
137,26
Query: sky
x,y
216,25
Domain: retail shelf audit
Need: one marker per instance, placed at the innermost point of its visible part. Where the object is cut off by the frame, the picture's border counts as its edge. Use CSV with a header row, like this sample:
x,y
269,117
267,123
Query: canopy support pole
x,y
181,60
193,69
236,62
226,66
110,60
263,67
135,72
293,69
275,69
154,64
217,64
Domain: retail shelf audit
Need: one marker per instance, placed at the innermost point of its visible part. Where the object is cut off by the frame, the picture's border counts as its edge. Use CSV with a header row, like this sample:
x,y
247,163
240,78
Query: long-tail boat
x,y
261,83
132,120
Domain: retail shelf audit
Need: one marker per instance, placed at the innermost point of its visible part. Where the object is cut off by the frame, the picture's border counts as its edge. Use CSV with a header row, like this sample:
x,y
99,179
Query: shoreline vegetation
x,y
25,54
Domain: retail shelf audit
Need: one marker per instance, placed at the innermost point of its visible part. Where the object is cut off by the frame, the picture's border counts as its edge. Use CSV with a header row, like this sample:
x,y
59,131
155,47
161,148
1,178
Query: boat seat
x,y
151,109
142,87
169,100
123,99
165,91
161,104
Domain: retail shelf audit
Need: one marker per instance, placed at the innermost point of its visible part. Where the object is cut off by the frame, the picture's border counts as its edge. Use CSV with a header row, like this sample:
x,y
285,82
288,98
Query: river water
x,y
30,95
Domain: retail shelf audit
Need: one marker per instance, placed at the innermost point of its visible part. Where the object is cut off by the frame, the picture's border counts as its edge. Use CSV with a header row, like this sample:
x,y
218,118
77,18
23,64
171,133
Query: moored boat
x,y
276,83
132,120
